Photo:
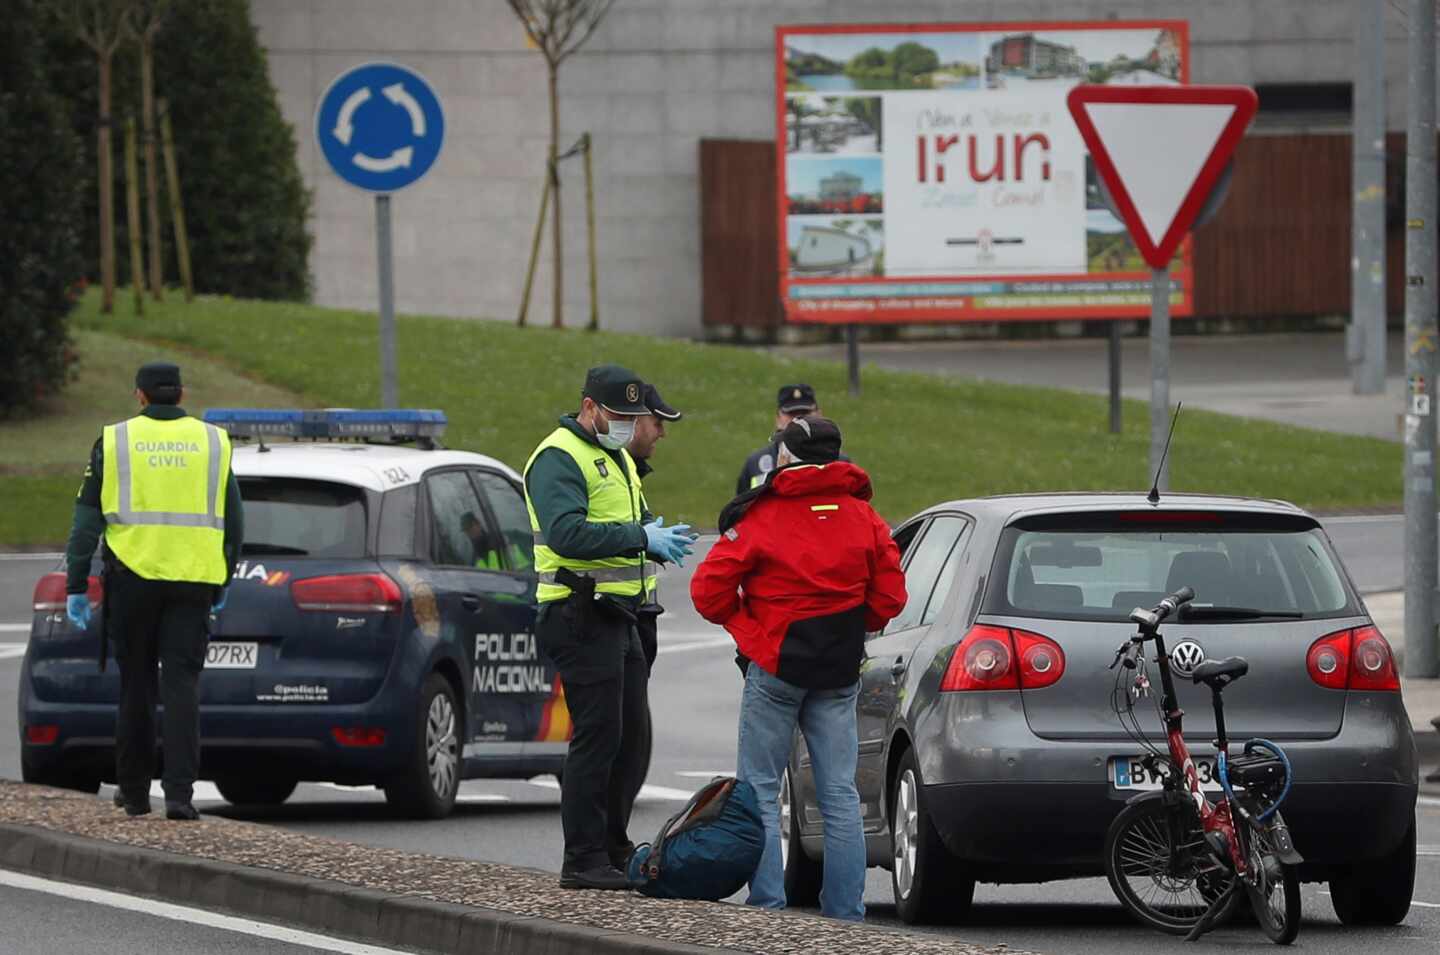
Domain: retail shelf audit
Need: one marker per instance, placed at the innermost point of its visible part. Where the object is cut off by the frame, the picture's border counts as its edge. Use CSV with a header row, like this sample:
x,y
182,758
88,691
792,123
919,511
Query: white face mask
x,y
621,431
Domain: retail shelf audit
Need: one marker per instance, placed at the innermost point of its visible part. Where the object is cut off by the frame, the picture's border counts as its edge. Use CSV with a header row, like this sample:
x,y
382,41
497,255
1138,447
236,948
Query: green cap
x,y
616,389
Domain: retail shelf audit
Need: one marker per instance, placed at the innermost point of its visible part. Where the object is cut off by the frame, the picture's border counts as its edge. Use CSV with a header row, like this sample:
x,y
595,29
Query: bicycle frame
x,y
1215,817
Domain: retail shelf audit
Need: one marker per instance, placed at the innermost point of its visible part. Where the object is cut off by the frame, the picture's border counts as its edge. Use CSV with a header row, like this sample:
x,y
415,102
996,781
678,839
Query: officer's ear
x,y
140,397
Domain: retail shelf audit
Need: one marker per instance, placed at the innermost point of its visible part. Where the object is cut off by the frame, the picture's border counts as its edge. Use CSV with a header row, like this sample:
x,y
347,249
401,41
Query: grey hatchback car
x,y
990,748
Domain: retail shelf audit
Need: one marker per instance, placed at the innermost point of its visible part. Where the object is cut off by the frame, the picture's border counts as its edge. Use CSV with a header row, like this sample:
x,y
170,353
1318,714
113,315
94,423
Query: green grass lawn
x,y
922,438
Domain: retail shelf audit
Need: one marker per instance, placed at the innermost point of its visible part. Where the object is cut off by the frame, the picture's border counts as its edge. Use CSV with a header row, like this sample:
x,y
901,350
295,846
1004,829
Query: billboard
x,y
933,173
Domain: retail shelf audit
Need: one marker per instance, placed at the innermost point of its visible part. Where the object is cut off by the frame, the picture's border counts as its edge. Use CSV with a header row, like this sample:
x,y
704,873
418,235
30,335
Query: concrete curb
x,y
332,908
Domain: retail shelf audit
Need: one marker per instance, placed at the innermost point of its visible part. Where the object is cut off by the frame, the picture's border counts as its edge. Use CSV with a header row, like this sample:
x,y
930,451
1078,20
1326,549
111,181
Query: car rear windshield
x,y
1102,566
289,516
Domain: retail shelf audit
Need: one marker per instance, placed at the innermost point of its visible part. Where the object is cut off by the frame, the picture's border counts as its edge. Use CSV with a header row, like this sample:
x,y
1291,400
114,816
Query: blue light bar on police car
x,y
392,424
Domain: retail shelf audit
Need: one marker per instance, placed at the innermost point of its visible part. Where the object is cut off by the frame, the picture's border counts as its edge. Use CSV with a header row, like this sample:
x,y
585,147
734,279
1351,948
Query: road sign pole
x,y
1367,261
386,266
1159,373
852,357
1420,332
1115,424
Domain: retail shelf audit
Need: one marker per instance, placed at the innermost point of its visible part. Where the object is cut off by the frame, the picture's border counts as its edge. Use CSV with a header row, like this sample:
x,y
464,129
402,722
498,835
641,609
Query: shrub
x,y
41,179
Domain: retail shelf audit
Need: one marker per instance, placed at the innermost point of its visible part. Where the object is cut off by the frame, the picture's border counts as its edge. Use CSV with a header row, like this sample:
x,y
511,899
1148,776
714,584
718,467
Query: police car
x,y
379,629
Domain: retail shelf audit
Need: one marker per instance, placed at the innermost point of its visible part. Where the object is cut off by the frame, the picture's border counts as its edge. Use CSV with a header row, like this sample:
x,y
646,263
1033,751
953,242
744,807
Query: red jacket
x,y
803,575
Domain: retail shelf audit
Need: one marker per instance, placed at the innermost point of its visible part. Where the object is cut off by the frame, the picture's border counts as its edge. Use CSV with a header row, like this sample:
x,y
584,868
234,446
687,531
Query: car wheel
x,y
256,792
426,788
929,884
1378,892
802,873
59,778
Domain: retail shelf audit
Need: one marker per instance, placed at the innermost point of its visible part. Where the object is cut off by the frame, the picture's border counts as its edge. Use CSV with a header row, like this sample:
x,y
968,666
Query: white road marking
x,y
12,651
44,556
702,774
200,792
481,797
14,628
646,792
1362,518
1431,801
687,646
1423,905
180,913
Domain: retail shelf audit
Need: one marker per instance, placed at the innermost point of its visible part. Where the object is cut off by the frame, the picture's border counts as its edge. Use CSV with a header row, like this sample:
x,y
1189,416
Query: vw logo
x,y
1186,656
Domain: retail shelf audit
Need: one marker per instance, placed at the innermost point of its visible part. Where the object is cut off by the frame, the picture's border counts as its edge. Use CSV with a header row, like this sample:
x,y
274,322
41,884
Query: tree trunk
x,y
152,176
107,193
558,245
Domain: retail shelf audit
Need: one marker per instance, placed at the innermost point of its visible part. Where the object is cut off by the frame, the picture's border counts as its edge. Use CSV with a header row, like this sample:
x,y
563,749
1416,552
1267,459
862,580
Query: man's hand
x,y
219,603
77,608
668,544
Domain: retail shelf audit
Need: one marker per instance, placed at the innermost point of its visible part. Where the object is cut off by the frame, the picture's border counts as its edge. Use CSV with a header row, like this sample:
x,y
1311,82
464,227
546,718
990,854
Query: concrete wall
x,y
655,78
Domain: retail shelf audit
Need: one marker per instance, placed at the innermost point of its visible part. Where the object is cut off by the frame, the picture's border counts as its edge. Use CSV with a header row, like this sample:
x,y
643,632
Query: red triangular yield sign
x,y
1160,150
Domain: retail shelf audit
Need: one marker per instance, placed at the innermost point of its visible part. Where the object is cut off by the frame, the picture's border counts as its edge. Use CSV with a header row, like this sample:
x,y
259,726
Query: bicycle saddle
x,y
1218,674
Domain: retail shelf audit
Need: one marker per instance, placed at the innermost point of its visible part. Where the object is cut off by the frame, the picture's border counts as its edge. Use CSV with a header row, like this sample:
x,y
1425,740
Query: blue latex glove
x,y
669,544
219,604
77,608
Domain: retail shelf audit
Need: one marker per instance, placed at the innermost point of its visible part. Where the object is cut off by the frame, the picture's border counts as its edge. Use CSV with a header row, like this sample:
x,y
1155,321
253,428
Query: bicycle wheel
x,y
1161,869
1274,890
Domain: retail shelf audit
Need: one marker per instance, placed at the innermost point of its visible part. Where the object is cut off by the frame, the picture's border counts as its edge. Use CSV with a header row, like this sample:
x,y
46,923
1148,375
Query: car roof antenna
x,y
1154,496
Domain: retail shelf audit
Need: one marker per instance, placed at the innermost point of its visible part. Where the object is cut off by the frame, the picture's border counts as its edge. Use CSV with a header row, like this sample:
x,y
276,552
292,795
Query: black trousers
x,y
164,622
605,675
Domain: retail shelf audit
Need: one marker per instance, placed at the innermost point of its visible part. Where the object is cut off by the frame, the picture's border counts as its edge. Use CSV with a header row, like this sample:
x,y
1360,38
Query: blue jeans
x,y
769,711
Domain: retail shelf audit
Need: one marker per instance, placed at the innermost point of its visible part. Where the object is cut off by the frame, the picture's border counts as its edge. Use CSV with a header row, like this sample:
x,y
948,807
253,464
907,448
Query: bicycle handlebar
x,y
1150,620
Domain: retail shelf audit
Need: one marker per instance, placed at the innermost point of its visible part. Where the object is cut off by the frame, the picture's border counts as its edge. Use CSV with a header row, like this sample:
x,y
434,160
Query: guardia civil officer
x,y
160,491
592,534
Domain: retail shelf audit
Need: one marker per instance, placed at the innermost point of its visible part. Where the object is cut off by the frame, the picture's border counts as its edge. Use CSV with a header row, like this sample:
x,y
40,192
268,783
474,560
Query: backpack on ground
x,y
708,850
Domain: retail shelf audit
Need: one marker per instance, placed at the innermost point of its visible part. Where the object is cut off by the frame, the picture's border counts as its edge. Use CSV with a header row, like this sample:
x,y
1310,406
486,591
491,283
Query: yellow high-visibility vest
x,y
613,499
163,496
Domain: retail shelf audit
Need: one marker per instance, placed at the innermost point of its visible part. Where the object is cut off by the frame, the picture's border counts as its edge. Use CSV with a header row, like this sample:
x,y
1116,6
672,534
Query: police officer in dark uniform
x,y
160,490
648,432
592,537
792,401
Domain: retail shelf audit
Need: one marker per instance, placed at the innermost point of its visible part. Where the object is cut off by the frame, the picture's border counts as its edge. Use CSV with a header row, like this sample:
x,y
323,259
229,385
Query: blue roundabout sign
x,y
380,126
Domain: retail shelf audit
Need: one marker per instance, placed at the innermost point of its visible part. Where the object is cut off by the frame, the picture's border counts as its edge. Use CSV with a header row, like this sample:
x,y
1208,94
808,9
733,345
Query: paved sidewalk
x,y
1298,379
407,899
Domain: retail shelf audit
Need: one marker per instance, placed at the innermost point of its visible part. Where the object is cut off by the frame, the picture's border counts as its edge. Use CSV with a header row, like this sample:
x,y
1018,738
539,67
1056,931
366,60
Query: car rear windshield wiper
x,y
250,547
1203,612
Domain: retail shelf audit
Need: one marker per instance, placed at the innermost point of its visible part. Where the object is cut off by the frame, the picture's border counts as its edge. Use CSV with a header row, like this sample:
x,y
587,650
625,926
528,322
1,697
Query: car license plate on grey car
x,y
1129,772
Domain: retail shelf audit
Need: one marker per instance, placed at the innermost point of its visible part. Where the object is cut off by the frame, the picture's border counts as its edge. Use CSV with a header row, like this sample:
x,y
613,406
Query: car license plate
x,y
223,655
1129,772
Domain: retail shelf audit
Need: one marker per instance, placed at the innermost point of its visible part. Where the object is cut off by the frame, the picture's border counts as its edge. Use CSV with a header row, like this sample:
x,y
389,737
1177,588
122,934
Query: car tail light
x,y
1372,665
50,593
998,658
1329,660
1353,659
358,735
1042,662
348,593
42,735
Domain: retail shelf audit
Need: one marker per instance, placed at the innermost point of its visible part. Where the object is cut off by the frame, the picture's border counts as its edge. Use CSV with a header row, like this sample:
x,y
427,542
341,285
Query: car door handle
x,y
470,602
897,669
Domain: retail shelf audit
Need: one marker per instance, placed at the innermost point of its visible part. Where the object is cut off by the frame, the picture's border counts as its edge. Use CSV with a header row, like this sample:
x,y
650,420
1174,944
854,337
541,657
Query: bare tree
x,y
101,25
558,28
145,20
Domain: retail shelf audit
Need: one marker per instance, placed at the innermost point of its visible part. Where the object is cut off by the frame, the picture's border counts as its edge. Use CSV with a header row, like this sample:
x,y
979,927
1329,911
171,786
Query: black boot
x,y
183,811
605,877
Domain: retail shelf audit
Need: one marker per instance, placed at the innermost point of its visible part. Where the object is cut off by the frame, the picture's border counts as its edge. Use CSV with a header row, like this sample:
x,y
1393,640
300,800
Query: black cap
x,y
157,377
618,390
793,398
812,439
657,405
